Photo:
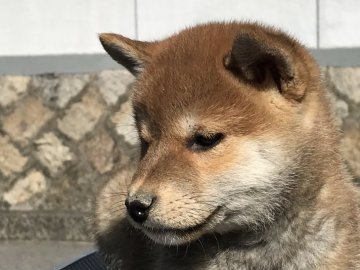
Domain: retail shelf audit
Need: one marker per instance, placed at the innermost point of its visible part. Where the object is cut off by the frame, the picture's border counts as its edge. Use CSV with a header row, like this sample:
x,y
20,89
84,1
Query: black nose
x,y
138,206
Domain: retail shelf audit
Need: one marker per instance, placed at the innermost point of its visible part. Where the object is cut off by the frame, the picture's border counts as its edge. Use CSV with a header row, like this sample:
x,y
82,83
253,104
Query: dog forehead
x,y
204,98
187,77
186,97
180,115
186,66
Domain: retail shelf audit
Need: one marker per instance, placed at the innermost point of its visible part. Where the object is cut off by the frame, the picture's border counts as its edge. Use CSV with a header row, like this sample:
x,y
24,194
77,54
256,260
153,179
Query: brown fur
x,y
273,194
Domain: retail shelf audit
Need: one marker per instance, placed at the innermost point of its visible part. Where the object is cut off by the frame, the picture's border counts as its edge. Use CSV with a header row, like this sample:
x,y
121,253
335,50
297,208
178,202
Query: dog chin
x,y
171,237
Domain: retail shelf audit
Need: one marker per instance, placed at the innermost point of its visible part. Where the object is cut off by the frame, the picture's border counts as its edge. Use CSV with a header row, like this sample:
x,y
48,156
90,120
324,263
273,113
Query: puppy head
x,y
221,111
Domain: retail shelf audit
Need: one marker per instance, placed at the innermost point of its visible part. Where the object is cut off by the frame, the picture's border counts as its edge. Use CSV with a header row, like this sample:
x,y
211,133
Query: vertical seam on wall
x,y
317,24
136,19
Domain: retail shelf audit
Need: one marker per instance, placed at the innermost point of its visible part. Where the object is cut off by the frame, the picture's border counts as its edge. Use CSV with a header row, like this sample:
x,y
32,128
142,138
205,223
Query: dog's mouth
x,y
171,236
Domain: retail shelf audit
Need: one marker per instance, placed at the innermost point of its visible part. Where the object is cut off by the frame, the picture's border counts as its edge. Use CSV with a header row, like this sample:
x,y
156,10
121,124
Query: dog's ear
x,y
132,54
255,60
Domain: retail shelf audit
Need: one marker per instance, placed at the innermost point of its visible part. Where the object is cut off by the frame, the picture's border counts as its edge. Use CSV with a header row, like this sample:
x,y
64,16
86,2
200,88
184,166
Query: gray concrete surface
x,y
40,255
75,63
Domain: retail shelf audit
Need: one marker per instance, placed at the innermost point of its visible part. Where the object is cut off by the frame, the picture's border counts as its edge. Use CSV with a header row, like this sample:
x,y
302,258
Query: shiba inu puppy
x,y
240,165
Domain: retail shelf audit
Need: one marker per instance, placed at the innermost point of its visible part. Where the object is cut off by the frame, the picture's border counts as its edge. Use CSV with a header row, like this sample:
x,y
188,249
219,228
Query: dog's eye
x,y
204,142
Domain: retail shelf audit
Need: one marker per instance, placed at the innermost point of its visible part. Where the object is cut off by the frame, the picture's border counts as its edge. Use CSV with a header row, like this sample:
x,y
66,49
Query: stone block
x,y
11,160
113,84
25,188
340,107
58,90
24,123
125,124
81,117
63,226
346,81
100,151
74,190
12,88
350,145
52,153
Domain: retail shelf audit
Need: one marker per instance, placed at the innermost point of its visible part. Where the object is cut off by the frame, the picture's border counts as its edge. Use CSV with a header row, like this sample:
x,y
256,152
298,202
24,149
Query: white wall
x,y
339,23
42,27
158,18
53,27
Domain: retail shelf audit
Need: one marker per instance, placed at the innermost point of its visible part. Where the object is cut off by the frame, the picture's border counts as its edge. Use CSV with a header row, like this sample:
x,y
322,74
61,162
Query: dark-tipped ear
x,y
254,60
132,54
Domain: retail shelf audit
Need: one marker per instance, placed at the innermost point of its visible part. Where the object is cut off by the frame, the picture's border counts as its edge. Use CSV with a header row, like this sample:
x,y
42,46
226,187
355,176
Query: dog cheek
x,y
254,184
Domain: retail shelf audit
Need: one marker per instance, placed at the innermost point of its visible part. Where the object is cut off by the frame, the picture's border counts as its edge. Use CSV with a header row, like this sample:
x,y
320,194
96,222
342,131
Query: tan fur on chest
x,y
239,167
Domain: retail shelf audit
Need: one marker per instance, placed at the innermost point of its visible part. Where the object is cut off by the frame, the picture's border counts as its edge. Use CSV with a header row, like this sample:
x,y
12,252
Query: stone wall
x,y
63,135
